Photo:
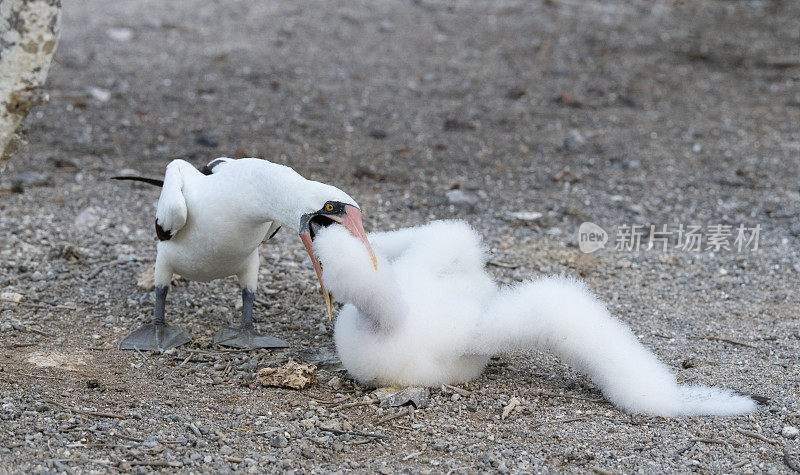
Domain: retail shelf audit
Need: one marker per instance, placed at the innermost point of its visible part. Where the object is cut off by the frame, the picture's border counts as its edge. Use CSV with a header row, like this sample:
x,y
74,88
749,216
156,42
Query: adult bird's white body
x,y
432,315
211,222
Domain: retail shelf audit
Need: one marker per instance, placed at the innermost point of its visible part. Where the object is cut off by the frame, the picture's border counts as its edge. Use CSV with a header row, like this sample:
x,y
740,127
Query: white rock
x,y
120,34
525,216
11,297
87,219
335,382
461,198
100,95
790,432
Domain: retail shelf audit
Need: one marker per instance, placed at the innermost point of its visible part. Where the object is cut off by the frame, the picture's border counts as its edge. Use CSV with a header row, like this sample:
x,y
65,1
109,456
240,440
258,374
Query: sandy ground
x,y
619,113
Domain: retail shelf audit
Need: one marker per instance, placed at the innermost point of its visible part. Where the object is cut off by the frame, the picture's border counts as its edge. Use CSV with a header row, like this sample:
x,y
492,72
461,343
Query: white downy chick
x,y
431,314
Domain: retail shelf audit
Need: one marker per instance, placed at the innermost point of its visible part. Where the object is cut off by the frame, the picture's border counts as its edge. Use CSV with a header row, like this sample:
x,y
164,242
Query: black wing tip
x,y
163,234
208,168
274,233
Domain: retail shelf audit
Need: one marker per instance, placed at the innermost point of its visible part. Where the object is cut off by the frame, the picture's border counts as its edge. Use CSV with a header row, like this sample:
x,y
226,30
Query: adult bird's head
x,y
338,209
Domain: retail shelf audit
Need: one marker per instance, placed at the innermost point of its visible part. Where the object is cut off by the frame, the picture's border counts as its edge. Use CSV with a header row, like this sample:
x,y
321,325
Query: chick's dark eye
x,y
328,207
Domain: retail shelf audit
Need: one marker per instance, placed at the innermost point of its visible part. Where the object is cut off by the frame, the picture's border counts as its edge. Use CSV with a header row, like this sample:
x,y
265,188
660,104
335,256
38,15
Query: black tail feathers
x,y
149,181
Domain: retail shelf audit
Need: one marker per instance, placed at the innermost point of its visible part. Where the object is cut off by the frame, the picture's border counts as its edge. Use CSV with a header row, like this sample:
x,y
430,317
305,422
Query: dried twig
x,y
144,358
783,62
512,404
19,345
365,440
126,437
791,463
410,456
503,265
460,391
38,332
156,463
681,451
740,464
334,401
87,413
23,303
38,376
352,404
756,435
192,427
396,415
725,340
707,440
185,361
353,432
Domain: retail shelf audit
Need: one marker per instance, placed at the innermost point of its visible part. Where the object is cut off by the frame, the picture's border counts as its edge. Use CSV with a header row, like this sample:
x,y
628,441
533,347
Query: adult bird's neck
x,y
266,191
284,201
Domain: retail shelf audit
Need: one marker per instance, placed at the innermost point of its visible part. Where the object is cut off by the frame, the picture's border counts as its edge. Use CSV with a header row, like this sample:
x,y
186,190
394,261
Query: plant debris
x,y
291,375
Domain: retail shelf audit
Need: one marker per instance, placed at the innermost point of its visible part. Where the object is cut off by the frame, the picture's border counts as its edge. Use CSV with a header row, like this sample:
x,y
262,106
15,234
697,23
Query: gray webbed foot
x,y
155,336
246,337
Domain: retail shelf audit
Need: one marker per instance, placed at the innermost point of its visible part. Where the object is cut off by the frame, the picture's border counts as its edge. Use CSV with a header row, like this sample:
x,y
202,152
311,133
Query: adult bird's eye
x,y
328,207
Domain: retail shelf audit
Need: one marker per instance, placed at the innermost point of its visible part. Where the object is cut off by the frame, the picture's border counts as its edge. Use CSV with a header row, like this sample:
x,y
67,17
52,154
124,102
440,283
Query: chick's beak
x,y
351,220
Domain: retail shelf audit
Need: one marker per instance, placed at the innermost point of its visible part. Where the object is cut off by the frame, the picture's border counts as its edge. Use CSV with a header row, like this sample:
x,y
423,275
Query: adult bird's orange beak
x,y
350,218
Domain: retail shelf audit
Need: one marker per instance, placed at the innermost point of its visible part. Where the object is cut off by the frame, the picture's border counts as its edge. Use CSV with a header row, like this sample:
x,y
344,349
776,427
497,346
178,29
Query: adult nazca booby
x,y
210,223
431,314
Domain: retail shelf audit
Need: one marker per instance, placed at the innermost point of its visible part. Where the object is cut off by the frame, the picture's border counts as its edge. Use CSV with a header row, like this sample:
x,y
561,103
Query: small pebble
x,y
377,134
461,198
790,432
120,34
206,140
278,441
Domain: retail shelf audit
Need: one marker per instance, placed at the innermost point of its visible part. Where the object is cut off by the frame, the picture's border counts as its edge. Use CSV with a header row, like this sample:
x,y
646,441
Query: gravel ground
x,y
616,112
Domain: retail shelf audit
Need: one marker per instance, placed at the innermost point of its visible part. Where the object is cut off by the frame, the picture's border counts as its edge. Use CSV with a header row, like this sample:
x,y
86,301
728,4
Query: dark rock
x,y
278,441
453,125
377,134
24,180
515,93
206,140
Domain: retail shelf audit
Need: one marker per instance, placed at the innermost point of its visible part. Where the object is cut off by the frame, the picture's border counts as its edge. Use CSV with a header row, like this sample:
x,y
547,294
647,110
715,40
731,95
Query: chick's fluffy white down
x,y
430,314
